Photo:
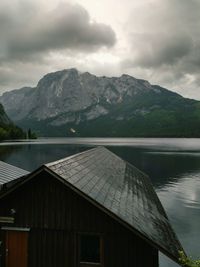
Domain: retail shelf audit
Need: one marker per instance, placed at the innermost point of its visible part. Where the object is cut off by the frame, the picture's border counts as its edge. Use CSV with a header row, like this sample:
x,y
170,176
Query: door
x,y
16,245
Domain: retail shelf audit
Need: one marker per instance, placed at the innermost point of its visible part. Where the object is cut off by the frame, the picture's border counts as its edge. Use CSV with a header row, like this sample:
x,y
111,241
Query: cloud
x,y
21,74
164,40
27,31
150,39
154,50
39,36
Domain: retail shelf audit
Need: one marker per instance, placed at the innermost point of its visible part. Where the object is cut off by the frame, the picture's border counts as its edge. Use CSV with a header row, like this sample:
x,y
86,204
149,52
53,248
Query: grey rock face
x,y
70,96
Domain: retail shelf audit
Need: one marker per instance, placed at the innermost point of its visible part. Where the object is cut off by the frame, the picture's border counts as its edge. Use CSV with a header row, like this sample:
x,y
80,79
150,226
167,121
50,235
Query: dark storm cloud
x,y
165,41
153,51
26,31
167,33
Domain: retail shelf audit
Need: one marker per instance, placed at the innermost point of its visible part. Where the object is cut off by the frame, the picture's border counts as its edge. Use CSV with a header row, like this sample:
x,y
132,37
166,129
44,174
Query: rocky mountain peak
x,y
72,97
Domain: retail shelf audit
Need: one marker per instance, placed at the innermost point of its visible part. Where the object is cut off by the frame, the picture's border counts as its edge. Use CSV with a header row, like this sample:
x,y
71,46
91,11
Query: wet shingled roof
x,y
122,190
9,173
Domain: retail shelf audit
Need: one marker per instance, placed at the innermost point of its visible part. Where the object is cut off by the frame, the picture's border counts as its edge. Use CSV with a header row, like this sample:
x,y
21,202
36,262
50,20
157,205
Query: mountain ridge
x,y
71,103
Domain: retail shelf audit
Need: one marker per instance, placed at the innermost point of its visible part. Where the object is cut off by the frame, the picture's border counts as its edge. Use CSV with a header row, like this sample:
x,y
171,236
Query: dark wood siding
x,y
51,248
56,215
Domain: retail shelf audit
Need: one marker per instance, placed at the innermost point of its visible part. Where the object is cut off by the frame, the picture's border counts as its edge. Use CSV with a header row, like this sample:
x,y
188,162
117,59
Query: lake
x,y
172,164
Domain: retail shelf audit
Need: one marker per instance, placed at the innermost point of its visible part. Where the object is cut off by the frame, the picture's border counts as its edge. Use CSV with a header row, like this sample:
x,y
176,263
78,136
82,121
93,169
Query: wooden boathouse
x,y
91,209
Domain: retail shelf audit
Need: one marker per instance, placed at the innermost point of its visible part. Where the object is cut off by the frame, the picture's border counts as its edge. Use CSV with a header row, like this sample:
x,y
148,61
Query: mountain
x,y
7,129
70,103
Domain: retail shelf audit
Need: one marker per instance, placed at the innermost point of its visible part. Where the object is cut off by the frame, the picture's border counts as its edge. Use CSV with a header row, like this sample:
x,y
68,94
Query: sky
x,y
156,40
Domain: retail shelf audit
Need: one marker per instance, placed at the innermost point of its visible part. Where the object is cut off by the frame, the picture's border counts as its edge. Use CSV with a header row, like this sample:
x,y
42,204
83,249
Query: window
x,y
91,249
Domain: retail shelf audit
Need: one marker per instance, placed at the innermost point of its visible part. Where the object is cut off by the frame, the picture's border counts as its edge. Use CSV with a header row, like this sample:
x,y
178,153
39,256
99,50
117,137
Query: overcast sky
x,y
157,40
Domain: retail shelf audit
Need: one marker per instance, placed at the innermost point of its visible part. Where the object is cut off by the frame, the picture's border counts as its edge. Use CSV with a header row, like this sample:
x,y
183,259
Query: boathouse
x,y
90,209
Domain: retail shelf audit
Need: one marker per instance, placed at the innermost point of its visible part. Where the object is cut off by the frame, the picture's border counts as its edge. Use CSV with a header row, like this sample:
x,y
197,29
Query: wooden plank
x,y
6,219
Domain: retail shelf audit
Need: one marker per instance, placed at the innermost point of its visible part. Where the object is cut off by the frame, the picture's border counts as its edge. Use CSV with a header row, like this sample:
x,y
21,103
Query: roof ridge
x,y
73,156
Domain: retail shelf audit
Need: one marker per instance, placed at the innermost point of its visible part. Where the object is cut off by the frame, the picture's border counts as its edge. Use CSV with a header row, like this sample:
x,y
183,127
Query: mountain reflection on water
x,y
172,164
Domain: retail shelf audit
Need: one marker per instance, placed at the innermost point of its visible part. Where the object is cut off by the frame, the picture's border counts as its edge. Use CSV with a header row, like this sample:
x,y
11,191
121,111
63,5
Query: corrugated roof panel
x,y
123,190
9,173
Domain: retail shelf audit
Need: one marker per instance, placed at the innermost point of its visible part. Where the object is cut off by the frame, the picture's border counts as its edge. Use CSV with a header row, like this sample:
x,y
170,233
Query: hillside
x,y
70,103
7,129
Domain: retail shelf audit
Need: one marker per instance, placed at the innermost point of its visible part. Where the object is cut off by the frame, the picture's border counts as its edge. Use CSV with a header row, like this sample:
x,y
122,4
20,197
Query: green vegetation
x,y
149,115
10,131
31,135
7,129
188,262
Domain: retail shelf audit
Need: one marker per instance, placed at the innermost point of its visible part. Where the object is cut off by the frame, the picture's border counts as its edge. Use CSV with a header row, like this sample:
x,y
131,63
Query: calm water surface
x,y
172,164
